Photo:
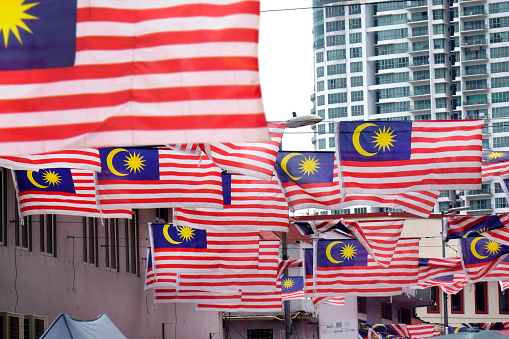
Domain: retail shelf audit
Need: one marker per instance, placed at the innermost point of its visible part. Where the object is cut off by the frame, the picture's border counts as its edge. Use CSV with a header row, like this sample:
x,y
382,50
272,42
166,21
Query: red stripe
x,y
400,163
395,185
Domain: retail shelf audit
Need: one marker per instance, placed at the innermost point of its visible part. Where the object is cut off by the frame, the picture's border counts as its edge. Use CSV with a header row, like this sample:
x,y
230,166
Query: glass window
x,y
319,72
498,188
440,88
501,203
321,144
336,69
392,78
438,43
499,97
23,232
439,58
503,302
356,81
112,244
333,26
357,110
499,7
438,29
356,67
397,92
357,95
320,86
441,103
434,296
457,303
388,20
333,11
90,241
321,129
320,100
499,67
337,112
481,297
336,83
499,52
391,34
3,208
499,37
335,40
419,31
336,98
438,14
331,142
356,52
355,23
392,49
48,234
319,57
336,54
354,9
359,210
500,112
355,38
132,235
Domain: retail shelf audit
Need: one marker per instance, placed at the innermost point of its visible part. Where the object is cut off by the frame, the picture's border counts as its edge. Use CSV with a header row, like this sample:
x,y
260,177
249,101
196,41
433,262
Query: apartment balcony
x,y
419,95
474,28
417,4
418,64
474,13
421,49
476,103
472,1
422,80
418,36
480,89
480,193
419,109
475,74
412,21
477,55
474,42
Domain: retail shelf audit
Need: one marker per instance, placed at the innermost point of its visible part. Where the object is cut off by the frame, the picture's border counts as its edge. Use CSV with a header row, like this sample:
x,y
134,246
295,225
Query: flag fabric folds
x,y
504,285
480,255
157,177
283,265
495,165
147,74
391,157
309,179
494,227
187,250
442,269
85,159
172,295
292,288
61,191
254,204
254,159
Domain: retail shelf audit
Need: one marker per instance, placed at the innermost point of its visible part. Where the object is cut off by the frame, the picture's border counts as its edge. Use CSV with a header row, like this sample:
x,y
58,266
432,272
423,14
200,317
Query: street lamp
x,y
443,214
296,121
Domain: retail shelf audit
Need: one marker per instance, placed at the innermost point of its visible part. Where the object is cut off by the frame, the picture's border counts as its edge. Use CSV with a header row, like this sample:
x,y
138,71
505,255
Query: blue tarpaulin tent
x,y
65,327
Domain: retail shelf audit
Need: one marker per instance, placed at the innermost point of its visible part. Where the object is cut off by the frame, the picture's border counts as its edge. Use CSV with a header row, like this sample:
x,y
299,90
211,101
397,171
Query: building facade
x,y
415,60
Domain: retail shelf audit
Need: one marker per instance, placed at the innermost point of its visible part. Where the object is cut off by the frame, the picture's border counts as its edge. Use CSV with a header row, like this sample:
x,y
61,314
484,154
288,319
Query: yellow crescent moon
x,y
376,325
466,234
30,176
356,140
329,256
109,161
457,330
285,161
474,252
167,235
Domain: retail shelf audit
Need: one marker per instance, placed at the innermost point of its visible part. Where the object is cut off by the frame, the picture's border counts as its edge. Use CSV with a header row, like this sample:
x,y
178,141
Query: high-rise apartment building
x,y
415,60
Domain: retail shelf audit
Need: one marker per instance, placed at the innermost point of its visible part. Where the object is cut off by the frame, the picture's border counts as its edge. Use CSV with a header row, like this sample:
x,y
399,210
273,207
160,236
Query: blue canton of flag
x,y
38,34
476,250
226,180
50,180
304,227
334,253
308,262
305,167
292,284
476,226
490,157
169,236
129,164
375,141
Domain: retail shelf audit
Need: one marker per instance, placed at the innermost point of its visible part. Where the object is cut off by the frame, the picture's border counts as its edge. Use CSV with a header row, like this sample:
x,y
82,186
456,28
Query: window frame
x,y
462,303
21,230
90,241
111,240
48,221
485,295
437,306
500,296
132,245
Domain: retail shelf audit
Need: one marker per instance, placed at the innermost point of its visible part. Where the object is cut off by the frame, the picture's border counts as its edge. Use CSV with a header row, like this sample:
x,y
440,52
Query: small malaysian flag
x,y
292,288
495,165
253,205
85,159
479,256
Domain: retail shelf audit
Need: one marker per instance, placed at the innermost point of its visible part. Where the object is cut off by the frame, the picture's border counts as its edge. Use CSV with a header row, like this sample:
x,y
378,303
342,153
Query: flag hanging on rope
x,y
188,250
61,191
85,159
86,74
495,165
157,177
494,227
250,205
479,256
391,157
309,179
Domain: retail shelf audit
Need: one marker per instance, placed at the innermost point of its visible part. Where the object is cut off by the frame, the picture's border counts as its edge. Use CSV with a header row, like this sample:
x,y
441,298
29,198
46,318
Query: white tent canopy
x,y
64,327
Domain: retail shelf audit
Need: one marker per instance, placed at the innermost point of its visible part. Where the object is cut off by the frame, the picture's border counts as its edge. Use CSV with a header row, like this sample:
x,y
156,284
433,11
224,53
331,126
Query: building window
x,y
501,203
336,98
331,142
319,72
337,112
335,40
111,236
405,315
321,113
356,52
355,38
386,311
503,302
260,334
320,100
334,11
319,57
336,83
336,54
321,129
356,81
321,144
357,110
334,26
132,244
355,23
481,298
457,303
356,67
48,233
336,69
360,210
354,9
361,304
434,296
357,95
320,86
23,233
3,207
90,241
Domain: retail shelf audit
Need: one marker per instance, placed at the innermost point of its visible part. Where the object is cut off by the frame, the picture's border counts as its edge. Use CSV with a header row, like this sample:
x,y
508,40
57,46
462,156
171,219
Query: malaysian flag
x,y
61,191
188,250
149,73
164,277
480,255
494,227
504,285
292,288
157,177
338,301
172,295
255,159
439,268
283,265
309,179
343,267
253,204
495,165
420,330
391,157
85,159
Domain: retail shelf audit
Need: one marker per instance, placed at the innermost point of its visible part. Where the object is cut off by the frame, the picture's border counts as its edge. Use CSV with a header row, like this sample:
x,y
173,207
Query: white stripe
x,y
146,4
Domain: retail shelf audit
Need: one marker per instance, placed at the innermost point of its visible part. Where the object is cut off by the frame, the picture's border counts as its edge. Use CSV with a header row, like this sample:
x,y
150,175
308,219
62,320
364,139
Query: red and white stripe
x,y
283,265
417,203
171,295
439,267
420,330
163,279
255,159
255,205
185,180
462,223
231,252
445,155
250,302
338,301
85,159
81,203
146,73
504,285
495,170
370,280
326,195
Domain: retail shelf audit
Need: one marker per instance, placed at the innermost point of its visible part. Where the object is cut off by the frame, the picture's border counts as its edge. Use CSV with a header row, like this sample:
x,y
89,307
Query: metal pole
x,y
286,303
446,311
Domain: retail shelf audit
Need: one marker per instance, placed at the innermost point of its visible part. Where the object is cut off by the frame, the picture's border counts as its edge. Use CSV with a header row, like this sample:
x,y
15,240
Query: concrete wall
x,y
32,282
302,328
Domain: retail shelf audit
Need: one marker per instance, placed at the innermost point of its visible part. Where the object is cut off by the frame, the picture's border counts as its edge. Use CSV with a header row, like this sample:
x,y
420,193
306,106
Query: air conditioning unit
x,y
11,325
35,326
